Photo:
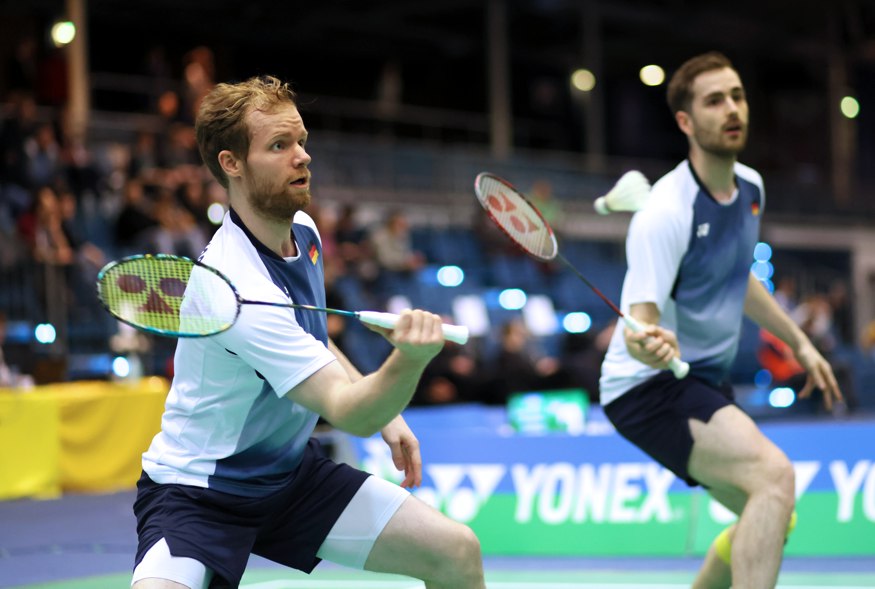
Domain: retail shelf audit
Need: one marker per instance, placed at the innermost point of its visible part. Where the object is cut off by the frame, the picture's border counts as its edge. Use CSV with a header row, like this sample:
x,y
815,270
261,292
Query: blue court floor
x,y
88,542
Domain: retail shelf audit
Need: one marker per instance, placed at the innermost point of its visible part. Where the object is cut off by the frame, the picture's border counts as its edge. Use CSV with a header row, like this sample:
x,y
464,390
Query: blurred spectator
x,y
135,225
777,357
785,293
352,245
179,233
43,152
17,124
43,230
541,196
393,246
451,377
842,313
582,356
519,367
22,66
815,316
199,74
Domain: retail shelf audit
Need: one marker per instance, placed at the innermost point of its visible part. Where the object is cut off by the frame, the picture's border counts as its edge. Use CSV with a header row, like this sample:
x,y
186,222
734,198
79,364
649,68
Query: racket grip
x,y
677,366
453,333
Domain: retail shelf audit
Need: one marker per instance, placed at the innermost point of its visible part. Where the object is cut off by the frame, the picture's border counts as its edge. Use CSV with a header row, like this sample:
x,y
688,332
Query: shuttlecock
x,y
629,194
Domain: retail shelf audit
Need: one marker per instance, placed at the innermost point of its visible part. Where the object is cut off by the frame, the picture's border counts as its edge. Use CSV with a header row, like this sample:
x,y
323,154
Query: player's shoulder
x,y
232,253
673,192
302,218
749,174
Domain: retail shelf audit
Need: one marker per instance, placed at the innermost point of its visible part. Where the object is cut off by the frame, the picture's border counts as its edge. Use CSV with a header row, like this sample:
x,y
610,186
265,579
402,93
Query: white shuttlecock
x,y
629,194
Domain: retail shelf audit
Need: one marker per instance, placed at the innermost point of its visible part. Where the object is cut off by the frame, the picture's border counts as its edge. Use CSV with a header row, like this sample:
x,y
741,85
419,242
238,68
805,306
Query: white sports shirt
x,y
691,256
227,424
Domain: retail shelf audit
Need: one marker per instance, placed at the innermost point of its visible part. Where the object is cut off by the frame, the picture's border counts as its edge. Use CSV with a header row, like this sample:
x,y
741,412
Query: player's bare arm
x,y
655,346
397,434
364,407
763,310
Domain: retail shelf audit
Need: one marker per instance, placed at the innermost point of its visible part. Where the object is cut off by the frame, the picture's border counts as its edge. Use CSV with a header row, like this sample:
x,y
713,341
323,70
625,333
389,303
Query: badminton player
x,y
689,252
234,471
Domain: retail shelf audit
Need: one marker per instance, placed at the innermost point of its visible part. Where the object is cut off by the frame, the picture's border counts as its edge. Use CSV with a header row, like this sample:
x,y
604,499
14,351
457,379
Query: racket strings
x,y
168,296
517,218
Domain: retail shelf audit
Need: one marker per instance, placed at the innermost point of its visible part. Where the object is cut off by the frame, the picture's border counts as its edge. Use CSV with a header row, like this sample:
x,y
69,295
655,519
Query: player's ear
x,y
684,121
230,163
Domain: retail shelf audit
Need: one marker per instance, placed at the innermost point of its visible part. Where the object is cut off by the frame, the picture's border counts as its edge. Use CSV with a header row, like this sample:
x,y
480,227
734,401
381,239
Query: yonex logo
x,y
703,230
459,490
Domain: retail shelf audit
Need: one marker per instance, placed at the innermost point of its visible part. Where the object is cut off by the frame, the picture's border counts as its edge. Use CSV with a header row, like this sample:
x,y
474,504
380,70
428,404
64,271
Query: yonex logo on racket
x,y
518,220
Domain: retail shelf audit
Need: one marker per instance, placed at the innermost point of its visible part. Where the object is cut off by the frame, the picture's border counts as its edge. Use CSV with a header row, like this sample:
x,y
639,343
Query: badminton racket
x,y
629,194
526,227
176,296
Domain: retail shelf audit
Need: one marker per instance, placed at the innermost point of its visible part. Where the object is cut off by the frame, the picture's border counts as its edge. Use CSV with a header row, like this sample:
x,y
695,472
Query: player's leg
x,y
385,529
730,455
715,572
421,542
161,570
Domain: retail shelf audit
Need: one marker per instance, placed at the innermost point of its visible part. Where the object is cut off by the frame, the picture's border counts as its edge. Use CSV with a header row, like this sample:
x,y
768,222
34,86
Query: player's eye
x,y
172,287
131,284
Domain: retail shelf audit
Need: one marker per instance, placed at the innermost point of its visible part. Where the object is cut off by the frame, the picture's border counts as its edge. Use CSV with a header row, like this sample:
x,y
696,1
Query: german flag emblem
x,y
755,209
313,253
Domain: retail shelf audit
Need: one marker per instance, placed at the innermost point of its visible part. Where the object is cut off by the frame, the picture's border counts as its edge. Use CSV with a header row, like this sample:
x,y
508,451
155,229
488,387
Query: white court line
x,y
353,584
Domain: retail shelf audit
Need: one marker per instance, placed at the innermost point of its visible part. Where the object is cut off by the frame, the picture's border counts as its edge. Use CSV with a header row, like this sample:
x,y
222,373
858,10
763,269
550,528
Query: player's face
x,y
719,114
276,176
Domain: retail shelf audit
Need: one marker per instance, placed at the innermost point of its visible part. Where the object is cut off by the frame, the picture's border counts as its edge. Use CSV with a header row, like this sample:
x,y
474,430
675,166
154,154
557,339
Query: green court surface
x,y
637,579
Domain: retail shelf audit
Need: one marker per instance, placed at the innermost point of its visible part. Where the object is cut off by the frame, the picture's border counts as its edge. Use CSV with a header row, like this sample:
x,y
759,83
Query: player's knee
x,y
777,479
464,554
784,482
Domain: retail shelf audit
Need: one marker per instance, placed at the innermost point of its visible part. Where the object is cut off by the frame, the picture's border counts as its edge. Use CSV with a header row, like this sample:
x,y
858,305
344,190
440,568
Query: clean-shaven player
x,y
234,471
689,253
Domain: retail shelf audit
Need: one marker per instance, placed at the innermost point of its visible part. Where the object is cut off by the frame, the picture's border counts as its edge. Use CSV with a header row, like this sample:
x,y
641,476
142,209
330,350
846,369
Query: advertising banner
x,y
597,494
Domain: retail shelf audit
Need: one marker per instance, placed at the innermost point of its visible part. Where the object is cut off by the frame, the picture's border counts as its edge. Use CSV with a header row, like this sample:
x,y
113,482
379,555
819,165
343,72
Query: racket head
x,y
168,295
516,216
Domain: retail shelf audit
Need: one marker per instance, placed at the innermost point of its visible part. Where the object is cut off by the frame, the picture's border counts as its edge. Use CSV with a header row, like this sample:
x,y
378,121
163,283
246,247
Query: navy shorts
x,y
655,417
222,530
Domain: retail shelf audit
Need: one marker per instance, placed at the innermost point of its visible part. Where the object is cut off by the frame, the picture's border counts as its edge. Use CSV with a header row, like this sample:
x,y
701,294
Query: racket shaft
x,y
678,367
453,333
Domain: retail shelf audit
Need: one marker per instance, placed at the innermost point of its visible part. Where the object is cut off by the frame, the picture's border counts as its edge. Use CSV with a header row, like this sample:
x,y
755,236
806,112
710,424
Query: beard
x,y
715,144
279,204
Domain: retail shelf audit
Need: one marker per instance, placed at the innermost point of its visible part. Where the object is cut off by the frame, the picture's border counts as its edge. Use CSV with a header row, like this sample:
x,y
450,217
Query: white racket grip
x,y
454,333
678,367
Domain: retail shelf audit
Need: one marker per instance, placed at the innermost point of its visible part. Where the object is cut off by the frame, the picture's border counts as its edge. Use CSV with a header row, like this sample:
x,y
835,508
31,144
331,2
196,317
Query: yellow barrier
x,y
83,436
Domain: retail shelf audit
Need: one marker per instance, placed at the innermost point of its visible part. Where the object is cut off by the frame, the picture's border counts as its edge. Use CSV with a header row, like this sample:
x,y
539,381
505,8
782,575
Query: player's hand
x,y
655,346
405,451
819,376
418,334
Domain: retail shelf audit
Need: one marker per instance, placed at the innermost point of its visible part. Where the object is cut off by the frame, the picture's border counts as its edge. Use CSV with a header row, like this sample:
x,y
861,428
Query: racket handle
x,y
678,367
453,333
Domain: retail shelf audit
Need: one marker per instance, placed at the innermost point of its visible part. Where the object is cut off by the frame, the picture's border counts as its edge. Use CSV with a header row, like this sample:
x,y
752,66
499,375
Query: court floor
x,y
88,541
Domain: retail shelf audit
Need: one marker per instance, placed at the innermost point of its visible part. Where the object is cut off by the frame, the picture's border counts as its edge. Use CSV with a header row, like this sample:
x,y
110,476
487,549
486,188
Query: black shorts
x,y
655,417
222,530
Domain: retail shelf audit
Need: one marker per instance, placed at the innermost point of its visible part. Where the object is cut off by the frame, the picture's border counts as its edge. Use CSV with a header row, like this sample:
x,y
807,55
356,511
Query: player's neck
x,y
717,173
274,234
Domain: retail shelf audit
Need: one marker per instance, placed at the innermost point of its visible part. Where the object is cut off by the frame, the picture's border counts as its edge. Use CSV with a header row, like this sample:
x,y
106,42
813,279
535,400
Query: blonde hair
x,y
221,124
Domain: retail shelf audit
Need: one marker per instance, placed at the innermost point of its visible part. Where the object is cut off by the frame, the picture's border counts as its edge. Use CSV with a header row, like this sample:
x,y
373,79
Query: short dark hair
x,y
680,88
221,124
